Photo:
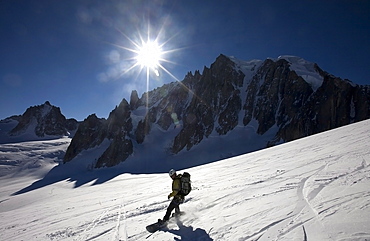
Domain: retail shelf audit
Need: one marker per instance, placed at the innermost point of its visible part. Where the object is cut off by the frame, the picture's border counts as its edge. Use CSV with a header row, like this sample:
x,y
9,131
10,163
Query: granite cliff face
x,y
90,133
288,97
119,125
336,103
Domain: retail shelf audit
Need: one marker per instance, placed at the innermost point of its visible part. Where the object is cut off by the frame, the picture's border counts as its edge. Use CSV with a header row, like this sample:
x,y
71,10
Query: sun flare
x,y
149,55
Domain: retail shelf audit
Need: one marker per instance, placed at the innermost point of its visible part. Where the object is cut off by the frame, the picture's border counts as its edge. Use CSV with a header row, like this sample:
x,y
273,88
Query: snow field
x,y
315,188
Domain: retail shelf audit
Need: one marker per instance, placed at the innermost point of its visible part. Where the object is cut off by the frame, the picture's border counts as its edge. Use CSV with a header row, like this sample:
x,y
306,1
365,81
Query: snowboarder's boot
x,y
161,222
178,214
177,210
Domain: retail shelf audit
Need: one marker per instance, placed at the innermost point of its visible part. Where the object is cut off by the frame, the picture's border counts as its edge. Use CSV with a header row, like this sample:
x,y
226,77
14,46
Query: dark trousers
x,y
175,204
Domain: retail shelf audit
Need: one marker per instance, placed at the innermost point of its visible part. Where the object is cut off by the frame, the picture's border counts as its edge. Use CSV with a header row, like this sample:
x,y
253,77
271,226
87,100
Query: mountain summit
x,y
39,122
257,103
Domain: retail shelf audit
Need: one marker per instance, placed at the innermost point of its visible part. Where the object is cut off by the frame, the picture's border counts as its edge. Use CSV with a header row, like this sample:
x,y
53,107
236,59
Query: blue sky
x,y
74,54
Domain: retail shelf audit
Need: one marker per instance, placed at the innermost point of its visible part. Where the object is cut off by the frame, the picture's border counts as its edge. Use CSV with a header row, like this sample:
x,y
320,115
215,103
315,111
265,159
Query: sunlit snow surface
x,y
316,188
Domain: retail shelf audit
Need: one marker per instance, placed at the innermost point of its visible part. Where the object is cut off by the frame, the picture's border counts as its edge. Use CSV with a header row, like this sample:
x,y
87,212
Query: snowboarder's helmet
x,y
171,172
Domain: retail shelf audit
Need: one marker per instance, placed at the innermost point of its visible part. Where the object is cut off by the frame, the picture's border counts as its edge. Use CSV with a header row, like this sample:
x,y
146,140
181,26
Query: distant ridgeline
x,y
38,122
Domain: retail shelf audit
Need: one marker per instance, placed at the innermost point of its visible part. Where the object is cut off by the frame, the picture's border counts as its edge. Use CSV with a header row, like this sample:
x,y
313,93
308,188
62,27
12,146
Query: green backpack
x,y
185,183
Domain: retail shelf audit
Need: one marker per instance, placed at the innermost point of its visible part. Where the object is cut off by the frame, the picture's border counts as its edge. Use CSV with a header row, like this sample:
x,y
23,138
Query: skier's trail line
x,y
93,224
119,234
116,233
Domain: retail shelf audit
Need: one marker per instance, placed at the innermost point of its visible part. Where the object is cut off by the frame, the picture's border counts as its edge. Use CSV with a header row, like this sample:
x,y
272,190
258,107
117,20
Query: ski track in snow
x,y
315,188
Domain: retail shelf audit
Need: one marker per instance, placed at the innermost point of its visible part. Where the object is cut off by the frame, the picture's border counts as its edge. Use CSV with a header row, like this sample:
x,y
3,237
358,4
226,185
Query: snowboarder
x,y
178,197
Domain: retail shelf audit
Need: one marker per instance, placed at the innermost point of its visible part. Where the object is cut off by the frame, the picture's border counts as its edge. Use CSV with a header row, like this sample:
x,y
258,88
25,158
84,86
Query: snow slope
x,y
315,188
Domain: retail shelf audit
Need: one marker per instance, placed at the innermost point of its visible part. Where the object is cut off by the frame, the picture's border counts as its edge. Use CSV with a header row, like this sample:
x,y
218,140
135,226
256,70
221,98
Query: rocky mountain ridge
x,y
286,98
41,121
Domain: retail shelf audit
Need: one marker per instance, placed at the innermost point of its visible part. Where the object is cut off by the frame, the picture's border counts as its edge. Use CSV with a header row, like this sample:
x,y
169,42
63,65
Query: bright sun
x,y
149,55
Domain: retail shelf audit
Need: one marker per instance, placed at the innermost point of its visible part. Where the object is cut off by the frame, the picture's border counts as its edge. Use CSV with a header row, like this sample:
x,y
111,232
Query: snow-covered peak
x,y
247,67
305,69
45,109
244,62
302,67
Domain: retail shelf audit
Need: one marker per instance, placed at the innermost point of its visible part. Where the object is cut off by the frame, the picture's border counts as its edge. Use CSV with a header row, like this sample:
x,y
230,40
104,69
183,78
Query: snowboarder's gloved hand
x,y
169,196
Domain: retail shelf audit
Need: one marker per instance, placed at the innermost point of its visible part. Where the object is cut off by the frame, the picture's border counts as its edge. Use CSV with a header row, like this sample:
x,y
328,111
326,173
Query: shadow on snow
x,y
187,233
80,174
72,173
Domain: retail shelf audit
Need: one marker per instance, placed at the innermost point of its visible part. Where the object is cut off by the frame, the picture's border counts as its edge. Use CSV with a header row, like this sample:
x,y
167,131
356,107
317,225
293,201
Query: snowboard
x,y
157,226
